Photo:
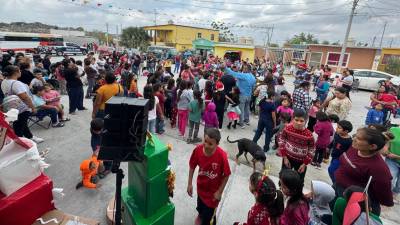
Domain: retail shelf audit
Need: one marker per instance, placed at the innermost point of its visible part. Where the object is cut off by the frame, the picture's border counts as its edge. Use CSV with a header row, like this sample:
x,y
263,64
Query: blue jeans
x,y
177,65
151,126
160,126
267,126
332,168
394,168
75,96
245,109
48,112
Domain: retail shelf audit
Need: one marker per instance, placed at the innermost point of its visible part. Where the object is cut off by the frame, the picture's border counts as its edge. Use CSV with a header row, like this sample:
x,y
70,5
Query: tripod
x,y
120,175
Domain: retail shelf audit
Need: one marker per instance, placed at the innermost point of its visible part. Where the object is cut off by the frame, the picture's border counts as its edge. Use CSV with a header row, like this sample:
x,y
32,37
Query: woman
x,y
26,74
104,93
362,161
11,86
347,81
393,162
279,87
322,88
376,96
339,104
74,86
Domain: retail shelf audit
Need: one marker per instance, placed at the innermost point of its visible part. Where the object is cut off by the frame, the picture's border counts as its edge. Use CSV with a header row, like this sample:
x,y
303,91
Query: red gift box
x,y
27,204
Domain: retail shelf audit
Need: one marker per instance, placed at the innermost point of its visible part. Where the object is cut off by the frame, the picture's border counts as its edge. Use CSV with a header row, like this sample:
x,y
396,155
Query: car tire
x,y
84,52
59,53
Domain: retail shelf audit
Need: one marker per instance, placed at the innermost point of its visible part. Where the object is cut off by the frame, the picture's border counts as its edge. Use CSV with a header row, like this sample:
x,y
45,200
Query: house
x,y
355,57
387,53
179,36
234,51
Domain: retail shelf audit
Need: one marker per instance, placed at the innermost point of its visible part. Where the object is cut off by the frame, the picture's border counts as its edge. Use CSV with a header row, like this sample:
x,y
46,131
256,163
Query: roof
x,y
233,45
339,46
164,25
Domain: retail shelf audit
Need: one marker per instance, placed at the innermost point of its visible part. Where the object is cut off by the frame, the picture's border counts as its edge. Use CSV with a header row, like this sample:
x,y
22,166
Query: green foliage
x,y
273,45
225,35
325,42
135,37
303,38
393,66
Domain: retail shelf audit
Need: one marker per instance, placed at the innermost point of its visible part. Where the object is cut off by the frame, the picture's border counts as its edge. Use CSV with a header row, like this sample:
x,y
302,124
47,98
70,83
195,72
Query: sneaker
x,y
82,109
37,139
242,126
57,125
247,123
72,113
189,141
195,140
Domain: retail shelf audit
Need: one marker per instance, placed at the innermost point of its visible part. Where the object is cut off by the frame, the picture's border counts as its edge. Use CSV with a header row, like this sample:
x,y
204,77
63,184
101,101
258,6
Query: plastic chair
x,y
37,120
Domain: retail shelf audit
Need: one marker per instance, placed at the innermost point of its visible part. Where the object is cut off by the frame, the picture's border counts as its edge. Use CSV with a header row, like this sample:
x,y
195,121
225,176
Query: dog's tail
x,y
227,138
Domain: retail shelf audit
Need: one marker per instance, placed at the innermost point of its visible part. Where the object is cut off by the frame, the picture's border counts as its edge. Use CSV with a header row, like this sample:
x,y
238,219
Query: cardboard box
x,y
28,203
57,217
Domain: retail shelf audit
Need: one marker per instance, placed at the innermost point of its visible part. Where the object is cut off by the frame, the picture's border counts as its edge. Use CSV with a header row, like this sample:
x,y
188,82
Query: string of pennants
x,y
114,9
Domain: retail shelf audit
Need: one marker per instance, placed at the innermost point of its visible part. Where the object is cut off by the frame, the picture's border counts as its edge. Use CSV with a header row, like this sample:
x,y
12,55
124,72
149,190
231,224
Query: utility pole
x,y
346,37
391,42
116,29
383,33
373,41
107,34
155,24
270,37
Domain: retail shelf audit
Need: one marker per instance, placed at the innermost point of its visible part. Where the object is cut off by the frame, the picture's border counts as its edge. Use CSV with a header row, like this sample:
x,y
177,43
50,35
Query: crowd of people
x,y
221,94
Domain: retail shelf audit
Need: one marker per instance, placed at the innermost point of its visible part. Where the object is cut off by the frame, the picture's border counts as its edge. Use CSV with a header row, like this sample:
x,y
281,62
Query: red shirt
x,y
258,215
356,170
212,170
161,99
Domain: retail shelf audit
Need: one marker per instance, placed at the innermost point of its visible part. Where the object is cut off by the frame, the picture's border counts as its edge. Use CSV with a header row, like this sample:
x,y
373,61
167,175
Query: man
x,y
301,97
245,83
229,82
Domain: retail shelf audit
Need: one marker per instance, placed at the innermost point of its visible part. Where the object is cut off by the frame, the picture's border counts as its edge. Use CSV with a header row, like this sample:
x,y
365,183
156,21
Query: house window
x,y
333,59
212,37
315,59
198,35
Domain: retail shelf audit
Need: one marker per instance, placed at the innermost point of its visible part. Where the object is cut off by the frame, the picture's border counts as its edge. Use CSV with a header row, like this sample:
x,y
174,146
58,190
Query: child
x,y
341,143
170,102
375,115
297,208
297,144
38,80
153,108
312,114
321,194
219,101
233,110
267,120
89,169
323,128
159,93
284,120
185,96
212,177
195,109
43,109
52,97
269,201
210,117
285,108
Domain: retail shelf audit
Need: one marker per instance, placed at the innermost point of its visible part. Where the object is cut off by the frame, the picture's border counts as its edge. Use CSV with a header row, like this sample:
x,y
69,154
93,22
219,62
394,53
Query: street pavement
x,y
71,144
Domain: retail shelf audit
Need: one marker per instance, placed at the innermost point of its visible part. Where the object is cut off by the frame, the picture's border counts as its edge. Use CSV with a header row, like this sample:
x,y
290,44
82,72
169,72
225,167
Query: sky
x,y
326,19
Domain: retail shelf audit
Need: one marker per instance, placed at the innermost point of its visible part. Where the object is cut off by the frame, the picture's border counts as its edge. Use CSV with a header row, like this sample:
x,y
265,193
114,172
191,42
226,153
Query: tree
x,y
135,37
325,42
393,66
303,38
225,34
336,43
273,45
101,36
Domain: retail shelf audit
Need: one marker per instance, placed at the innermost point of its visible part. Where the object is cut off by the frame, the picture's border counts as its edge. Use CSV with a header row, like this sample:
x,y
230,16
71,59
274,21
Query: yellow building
x,y
236,51
179,36
386,54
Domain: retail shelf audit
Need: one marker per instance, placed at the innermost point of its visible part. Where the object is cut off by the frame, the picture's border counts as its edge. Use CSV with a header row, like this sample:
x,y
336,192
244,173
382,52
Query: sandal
x,y
65,120
58,125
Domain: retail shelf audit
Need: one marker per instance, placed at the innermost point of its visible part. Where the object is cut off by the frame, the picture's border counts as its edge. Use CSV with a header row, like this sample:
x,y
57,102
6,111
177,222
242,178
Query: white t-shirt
x,y
202,84
348,80
153,112
17,88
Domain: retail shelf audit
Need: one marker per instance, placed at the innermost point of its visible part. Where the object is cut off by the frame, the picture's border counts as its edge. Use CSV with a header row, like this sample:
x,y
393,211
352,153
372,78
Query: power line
x,y
261,4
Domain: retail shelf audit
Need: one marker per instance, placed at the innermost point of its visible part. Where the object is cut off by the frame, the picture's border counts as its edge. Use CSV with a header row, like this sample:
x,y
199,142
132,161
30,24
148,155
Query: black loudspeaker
x,y
125,129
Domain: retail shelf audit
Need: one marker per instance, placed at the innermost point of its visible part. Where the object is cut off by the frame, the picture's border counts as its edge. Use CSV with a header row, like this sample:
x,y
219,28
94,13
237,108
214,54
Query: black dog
x,y
248,146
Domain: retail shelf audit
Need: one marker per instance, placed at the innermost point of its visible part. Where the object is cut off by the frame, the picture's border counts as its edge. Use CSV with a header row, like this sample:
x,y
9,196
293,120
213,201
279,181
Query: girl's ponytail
x,y
268,195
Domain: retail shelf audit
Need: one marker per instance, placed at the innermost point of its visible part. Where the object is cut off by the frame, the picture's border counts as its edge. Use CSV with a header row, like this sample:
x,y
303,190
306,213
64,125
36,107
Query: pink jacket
x,y
324,130
210,116
295,214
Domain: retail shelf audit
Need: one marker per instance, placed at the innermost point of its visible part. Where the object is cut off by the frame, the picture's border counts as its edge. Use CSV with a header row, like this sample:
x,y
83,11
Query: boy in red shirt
x,y
213,175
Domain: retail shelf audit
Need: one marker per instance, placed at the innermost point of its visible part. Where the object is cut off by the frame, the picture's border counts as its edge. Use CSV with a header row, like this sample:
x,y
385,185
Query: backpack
x,y
11,101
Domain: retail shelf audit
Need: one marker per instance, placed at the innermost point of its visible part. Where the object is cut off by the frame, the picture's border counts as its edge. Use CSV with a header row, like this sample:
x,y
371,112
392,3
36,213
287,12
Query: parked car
x,y
68,48
371,79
